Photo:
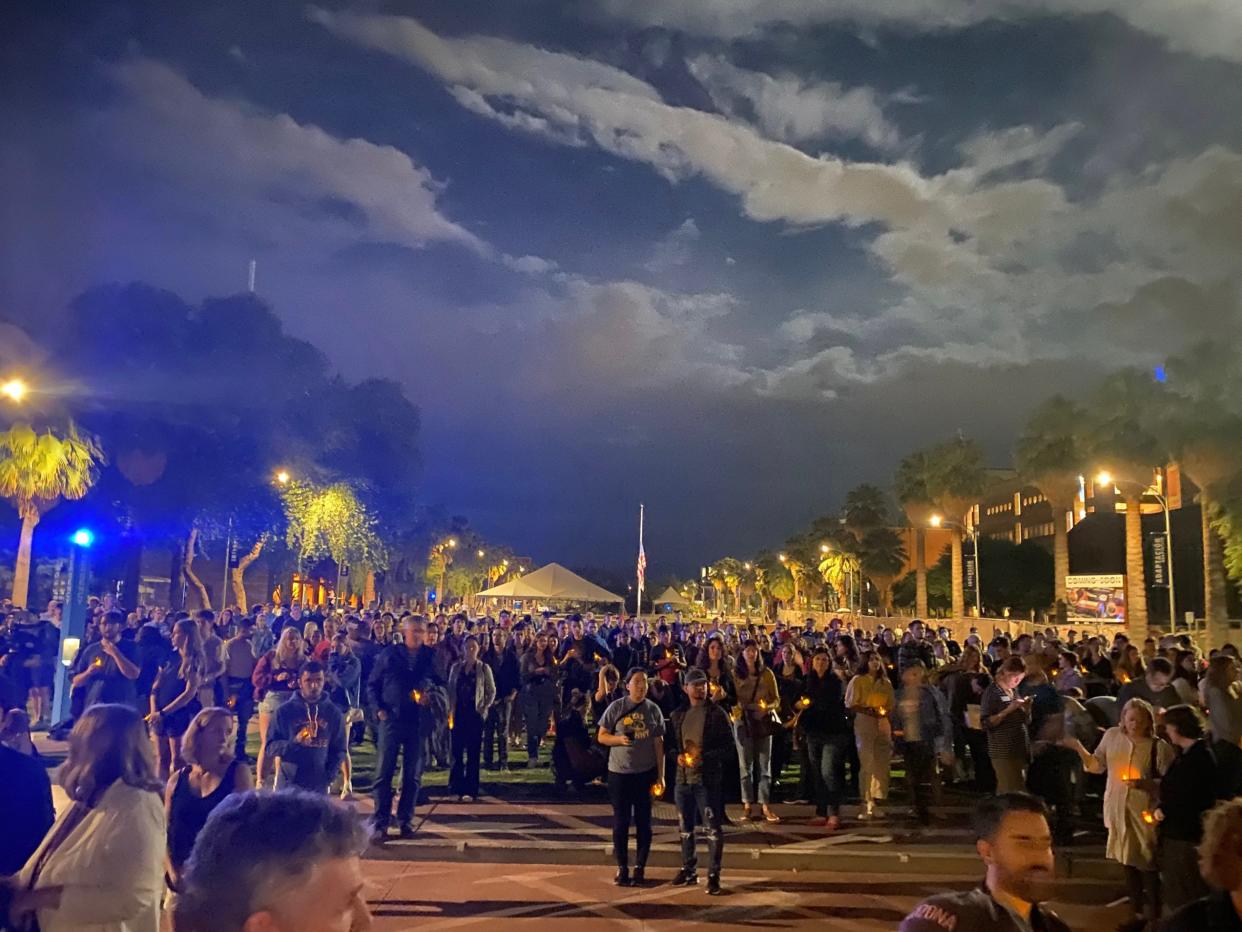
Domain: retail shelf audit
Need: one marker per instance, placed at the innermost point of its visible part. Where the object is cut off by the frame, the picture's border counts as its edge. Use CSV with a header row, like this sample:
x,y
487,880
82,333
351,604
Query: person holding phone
x,y
1006,717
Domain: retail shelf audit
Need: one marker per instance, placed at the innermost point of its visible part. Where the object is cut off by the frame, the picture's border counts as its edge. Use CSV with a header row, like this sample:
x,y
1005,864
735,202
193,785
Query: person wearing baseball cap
x,y
702,740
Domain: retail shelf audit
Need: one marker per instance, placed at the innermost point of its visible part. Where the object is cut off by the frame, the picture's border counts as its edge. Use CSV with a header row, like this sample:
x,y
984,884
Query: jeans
x,y
538,709
1010,774
496,733
699,804
630,795
467,736
241,700
398,736
1180,880
826,753
752,751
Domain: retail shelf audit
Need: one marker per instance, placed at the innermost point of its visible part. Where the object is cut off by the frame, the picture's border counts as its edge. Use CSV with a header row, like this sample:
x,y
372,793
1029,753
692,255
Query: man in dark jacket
x,y
1203,773
1014,841
398,690
702,739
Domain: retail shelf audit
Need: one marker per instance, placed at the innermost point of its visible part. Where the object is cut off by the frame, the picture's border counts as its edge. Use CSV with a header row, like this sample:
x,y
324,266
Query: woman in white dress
x,y
101,867
1134,760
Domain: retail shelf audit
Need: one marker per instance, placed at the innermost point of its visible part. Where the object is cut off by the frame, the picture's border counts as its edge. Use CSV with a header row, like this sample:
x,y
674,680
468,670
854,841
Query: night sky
x,y
729,258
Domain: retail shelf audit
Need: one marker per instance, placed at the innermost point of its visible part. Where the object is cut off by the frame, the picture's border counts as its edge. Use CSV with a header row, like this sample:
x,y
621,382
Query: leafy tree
x,y
1129,439
1050,456
36,472
913,484
955,480
331,521
882,554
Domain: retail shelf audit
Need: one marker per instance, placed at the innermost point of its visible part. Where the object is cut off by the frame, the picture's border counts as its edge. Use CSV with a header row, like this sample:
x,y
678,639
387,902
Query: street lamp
x,y
14,390
283,477
824,548
480,554
973,530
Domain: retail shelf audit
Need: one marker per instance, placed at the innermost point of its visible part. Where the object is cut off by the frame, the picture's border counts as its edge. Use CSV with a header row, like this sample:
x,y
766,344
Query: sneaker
x,y
460,798
640,876
406,830
713,885
686,877
467,798
532,764
865,815
819,821
379,835
623,877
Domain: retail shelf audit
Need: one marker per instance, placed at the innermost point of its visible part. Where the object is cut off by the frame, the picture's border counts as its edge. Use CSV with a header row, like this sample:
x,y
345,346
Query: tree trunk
x,y
21,571
368,589
955,562
238,573
188,566
1136,575
1215,616
920,573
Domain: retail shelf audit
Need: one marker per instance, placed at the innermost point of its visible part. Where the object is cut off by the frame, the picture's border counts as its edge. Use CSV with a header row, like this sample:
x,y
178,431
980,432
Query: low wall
x,y
960,627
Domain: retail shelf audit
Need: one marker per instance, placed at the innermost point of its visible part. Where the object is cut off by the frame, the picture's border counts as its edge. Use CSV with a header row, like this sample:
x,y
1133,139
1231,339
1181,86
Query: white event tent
x,y
551,583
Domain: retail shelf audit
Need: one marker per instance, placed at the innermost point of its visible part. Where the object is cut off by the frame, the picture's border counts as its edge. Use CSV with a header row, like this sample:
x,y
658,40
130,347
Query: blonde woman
x,y
871,698
1134,760
100,866
174,694
210,774
275,680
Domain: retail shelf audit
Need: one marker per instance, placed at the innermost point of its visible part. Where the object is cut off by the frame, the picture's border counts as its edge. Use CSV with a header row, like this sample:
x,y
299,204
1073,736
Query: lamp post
x,y
973,531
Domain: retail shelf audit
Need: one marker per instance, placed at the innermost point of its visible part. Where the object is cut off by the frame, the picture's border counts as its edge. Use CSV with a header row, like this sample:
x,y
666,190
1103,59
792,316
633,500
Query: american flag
x,y
642,564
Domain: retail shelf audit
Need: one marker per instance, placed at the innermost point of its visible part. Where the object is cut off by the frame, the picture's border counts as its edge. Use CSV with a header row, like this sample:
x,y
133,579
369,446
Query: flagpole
x,y
638,605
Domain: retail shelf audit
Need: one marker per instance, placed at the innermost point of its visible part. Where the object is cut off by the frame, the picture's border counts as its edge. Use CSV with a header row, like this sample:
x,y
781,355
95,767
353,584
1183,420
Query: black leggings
x,y
630,794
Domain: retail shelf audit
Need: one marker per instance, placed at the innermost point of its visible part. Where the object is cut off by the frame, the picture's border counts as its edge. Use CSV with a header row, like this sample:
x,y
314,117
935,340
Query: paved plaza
x,y
529,862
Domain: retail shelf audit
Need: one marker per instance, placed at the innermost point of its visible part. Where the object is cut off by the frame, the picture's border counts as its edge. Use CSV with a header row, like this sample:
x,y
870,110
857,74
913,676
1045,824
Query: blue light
x,y
1160,374
82,537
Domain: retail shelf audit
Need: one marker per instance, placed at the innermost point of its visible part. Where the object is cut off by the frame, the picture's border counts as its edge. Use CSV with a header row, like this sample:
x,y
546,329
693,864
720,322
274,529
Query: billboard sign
x,y
1099,597
1159,551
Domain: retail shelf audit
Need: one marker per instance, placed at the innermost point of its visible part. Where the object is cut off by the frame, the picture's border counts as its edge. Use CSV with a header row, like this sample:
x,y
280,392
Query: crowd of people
x,y
702,712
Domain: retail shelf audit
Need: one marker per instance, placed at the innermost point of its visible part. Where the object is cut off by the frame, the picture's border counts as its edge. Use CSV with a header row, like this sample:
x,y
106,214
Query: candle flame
x,y
804,702
416,695
1149,818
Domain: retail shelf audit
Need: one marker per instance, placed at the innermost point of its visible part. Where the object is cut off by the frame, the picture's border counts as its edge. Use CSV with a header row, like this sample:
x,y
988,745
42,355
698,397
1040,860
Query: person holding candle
x,y
827,733
871,698
1134,760
632,729
471,690
702,740
758,699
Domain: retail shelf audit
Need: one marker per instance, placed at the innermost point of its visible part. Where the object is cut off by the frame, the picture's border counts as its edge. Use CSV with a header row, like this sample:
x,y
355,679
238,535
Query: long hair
x,y
189,741
288,652
743,668
193,660
1221,671
108,743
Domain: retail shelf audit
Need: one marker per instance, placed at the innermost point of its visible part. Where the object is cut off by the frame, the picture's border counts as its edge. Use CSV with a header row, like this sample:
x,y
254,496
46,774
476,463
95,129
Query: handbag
x,y
765,724
354,713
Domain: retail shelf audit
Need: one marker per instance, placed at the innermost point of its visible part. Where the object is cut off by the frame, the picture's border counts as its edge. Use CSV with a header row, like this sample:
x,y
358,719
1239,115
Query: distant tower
x,y
253,266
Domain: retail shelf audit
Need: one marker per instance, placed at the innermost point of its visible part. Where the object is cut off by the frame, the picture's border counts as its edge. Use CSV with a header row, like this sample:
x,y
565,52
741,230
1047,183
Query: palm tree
x,y
836,567
1126,426
1207,442
36,472
1049,456
955,481
866,508
912,491
882,554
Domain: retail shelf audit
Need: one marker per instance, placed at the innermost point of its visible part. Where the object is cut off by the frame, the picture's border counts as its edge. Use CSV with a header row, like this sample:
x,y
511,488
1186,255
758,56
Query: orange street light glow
x,y
14,389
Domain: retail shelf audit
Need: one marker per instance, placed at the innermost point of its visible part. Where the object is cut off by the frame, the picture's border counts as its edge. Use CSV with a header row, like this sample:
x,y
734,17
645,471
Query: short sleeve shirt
x,y
643,723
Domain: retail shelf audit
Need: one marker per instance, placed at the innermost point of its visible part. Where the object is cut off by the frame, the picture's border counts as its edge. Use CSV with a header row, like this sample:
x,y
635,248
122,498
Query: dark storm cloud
x,y
616,264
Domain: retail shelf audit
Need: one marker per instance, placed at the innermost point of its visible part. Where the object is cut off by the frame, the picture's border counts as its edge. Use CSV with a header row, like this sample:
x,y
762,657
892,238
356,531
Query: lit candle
x,y
686,760
804,702
1149,818
416,695
881,711
450,723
